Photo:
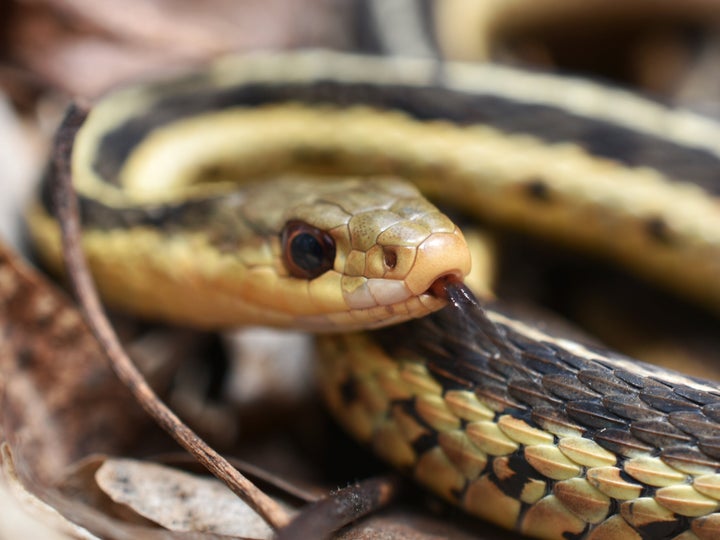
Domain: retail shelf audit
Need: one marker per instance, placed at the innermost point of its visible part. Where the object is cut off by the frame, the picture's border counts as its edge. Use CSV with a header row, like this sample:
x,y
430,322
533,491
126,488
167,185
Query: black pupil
x,y
307,252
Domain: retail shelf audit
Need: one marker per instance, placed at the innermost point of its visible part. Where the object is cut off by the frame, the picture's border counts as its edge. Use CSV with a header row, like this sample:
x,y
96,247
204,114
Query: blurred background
x,y
56,51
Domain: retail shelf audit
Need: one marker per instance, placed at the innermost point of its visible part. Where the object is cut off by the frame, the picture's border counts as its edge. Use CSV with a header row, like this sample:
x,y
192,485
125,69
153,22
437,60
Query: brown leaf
x,y
60,399
32,516
411,524
177,500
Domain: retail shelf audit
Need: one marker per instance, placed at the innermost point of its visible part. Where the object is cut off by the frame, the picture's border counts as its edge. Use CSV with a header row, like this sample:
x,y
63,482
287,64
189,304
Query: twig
x,y
321,519
79,275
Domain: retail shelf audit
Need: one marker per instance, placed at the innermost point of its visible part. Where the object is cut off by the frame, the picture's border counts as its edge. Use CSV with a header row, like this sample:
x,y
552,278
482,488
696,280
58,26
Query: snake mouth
x,y
440,288
393,310
391,294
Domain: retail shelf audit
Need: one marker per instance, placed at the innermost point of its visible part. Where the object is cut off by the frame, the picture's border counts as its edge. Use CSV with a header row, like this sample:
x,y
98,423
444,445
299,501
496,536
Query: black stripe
x,y
547,123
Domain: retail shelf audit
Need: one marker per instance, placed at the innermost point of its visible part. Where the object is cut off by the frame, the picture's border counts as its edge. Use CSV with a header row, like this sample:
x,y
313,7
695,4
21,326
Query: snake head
x,y
289,252
369,252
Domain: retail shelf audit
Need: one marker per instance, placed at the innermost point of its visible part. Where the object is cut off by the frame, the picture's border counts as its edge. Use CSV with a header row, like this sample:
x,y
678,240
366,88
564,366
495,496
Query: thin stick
x,y
322,518
79,275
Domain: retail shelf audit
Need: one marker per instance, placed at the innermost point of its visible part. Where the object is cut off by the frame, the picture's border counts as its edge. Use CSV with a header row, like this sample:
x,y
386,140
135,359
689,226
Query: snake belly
x,y
545,435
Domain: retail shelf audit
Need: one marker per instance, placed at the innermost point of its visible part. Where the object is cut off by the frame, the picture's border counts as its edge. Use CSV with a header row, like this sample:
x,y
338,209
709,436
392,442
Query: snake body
x,y
545,435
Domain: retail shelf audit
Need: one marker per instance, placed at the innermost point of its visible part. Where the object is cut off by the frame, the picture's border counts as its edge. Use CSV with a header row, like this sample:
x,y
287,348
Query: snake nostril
x,y
390,258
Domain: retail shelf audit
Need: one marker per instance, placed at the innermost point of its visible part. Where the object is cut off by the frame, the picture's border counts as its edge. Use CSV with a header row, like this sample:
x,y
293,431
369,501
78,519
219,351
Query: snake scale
x,y
548,436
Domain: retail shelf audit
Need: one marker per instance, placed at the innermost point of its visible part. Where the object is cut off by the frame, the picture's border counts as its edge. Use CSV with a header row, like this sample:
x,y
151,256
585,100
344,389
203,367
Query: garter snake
x,y
545,435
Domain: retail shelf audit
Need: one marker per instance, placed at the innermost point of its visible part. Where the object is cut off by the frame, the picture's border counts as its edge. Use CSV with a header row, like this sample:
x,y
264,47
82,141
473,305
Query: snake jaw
x,y
377,292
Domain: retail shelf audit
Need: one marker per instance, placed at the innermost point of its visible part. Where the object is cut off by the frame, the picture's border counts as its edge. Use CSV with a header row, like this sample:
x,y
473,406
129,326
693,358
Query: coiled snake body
x,y
545,435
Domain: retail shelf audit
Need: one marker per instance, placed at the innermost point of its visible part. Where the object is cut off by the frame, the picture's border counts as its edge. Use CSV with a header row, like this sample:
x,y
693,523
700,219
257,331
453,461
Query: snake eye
x,y
307,251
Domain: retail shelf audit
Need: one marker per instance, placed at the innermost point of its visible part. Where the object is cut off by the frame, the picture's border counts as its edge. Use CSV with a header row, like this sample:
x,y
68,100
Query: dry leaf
x,y
61,401
177,500
42,520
